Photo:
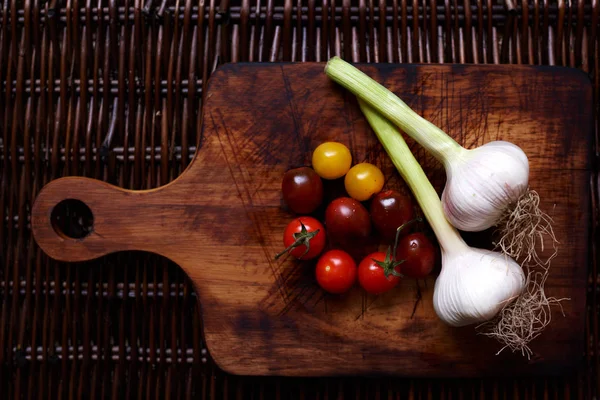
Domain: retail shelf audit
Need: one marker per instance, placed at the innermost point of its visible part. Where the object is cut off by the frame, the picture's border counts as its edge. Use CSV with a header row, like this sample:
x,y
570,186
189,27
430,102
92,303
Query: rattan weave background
x,y
112,89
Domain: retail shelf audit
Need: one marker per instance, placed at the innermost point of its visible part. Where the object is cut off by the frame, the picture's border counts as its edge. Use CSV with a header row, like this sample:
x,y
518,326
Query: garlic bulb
x,y
482,183
474,285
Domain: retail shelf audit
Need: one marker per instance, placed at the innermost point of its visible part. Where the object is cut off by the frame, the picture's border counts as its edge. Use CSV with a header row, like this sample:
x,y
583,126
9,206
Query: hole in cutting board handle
x,y
72,218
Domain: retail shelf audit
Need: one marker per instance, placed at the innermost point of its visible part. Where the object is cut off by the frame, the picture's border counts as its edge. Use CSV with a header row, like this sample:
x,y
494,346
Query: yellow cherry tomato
x,y
331,160
363,181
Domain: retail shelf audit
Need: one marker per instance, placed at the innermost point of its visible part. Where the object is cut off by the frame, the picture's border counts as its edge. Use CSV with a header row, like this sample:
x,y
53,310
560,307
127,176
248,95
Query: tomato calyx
x,y
389,264
301,238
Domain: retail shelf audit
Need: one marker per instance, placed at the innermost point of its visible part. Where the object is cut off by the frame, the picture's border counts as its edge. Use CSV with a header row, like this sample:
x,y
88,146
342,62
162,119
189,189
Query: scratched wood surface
x,y
222,220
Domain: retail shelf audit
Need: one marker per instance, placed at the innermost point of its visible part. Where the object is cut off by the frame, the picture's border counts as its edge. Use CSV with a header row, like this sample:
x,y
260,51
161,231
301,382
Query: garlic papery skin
x,y
474,285
482,183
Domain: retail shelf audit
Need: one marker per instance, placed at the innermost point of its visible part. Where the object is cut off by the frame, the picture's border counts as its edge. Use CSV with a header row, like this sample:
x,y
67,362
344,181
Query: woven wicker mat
x,y
112,90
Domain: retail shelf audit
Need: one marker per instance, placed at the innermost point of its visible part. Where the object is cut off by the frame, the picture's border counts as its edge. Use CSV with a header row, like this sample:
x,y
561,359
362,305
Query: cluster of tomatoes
x,y
351,226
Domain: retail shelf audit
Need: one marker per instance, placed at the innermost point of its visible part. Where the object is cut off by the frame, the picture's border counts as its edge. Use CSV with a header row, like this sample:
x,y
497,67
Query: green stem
x,y
400,229
413,174
436,141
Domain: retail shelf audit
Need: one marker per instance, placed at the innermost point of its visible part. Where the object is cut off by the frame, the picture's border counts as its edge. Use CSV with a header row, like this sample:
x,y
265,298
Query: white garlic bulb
x,y
482,183
474,285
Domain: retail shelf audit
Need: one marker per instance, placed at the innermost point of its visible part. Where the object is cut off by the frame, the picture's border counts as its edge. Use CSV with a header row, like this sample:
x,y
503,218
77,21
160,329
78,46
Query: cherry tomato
x,y
302,190
347,221
363,181
336,271
418,254
390,210
331,160
304,238
378,273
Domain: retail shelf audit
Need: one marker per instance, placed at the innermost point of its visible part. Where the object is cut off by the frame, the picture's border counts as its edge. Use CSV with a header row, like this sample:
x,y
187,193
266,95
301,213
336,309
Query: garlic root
x,y
522,227
524,319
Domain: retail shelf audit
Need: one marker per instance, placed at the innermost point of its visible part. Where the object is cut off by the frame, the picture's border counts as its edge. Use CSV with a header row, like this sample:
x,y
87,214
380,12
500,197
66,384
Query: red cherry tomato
x,y
418,254
390,210
304,238
347,221
372,272
302,190
336,271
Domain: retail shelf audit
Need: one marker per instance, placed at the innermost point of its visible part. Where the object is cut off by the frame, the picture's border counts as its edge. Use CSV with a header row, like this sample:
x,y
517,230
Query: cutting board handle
x,y
79,219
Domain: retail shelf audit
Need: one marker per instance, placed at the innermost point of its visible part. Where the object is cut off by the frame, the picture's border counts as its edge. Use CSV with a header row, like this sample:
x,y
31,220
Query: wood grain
x,y
221,221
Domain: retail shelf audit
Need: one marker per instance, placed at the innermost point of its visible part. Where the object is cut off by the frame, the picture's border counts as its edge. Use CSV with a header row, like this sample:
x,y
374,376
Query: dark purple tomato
x,y
390,210
418,254
302,190
347,221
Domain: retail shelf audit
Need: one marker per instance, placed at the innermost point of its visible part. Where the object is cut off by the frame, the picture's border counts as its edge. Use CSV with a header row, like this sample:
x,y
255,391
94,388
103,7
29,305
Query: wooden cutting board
x,y
222,220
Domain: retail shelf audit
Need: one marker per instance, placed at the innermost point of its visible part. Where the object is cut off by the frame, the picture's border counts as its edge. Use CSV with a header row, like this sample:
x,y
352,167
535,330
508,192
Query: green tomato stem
x,y
413,174
400,229
436,141
302,238
389,265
